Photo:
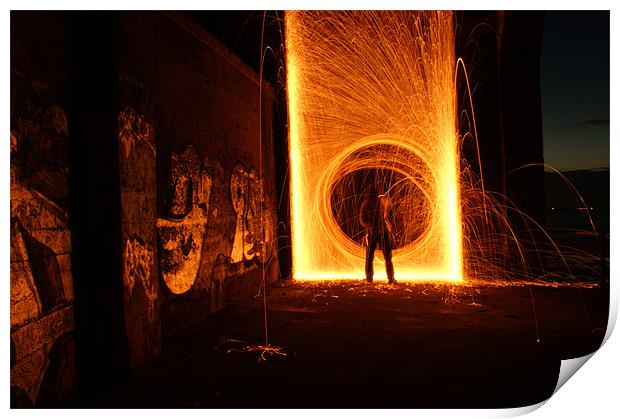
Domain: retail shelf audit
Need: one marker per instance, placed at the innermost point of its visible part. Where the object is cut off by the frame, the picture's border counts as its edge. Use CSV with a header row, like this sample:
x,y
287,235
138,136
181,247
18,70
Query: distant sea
x,y
562,203
578,219
566,220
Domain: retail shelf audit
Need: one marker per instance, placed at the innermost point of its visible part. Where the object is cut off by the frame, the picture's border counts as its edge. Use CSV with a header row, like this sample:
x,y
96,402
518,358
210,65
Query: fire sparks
x,y
372,98
242,347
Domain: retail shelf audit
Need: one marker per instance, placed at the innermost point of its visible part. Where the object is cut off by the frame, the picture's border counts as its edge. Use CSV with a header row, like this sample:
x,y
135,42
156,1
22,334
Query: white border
x,y
592,394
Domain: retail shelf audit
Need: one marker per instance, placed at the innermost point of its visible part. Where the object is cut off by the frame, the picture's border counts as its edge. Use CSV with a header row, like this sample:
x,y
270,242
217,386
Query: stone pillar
x,y
137,159
520,42
95,201
502,53
113,211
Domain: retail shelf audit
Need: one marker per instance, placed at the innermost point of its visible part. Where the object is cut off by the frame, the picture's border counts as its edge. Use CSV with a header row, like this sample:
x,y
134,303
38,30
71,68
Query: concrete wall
x,y
42,343
170,182
216,211
520,46
502,54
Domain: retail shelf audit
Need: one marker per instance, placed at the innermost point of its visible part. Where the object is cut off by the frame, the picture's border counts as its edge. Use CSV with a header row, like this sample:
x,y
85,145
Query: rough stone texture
x,y
212,132
137,161
41,279
181,234
253,230
32,345
25,303
197,195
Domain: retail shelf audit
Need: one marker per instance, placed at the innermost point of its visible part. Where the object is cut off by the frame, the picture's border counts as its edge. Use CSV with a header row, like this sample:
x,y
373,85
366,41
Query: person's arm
x,y
362,213
389,213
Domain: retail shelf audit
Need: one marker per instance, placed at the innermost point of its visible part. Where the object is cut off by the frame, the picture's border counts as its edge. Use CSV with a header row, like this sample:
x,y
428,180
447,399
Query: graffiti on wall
x,y
40,256
137,271
253,226
182,231
137,160
134,132
41,292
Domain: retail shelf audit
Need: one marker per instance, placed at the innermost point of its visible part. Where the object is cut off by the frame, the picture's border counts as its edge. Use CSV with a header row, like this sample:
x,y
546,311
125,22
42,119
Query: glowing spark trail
x,y
372,98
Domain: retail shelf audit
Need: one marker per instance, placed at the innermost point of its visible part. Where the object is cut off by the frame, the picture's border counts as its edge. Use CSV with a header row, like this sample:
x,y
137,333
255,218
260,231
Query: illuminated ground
x,y
350,344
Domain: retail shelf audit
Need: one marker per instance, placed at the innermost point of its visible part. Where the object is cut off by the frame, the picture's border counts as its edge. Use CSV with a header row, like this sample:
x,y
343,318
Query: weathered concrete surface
x,y
104,108
349,344
181,232
42,320
137,162
212,122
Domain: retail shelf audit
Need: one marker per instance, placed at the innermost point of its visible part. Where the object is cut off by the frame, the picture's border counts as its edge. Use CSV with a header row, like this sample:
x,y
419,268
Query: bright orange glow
x,y
373,90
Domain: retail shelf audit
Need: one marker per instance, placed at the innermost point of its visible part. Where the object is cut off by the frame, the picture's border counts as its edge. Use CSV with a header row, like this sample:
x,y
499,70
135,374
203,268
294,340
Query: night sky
x,y
575,89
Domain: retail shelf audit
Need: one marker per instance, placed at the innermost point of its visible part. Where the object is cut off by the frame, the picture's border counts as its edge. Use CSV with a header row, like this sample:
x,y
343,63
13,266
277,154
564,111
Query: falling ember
x,y
372,99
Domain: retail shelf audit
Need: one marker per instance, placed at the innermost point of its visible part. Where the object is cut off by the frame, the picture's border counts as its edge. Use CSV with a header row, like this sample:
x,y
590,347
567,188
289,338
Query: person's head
x,y
371,189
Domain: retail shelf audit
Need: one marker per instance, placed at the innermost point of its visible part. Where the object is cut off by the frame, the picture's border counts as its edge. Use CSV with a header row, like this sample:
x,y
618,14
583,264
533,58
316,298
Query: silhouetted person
x,y
376,218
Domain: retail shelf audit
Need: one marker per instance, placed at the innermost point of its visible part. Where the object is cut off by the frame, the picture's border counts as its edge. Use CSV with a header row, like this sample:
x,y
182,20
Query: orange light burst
x,y
372,95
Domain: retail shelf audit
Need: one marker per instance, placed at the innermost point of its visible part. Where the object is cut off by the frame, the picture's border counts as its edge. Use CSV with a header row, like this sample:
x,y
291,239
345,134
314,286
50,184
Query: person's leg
x,y
386,247
370,255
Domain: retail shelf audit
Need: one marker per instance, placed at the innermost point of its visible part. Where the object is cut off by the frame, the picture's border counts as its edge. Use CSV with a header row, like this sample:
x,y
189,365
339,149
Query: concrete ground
x,y
352,344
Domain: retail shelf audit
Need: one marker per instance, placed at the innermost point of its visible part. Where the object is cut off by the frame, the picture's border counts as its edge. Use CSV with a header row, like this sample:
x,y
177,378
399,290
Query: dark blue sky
x,y
575,89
